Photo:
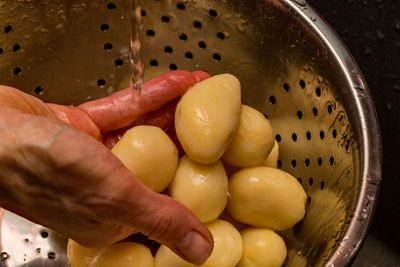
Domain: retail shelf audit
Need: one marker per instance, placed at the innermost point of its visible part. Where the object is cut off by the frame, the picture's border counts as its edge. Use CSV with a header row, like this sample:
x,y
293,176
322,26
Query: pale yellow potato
x,y
262,248
126,254
78,255
267,198
252,141
201,188
167,258
149,154
272,159
207,116
228,245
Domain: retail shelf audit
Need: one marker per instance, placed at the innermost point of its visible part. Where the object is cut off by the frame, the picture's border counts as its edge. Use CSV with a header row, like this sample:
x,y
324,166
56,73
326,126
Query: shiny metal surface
x,y
292,66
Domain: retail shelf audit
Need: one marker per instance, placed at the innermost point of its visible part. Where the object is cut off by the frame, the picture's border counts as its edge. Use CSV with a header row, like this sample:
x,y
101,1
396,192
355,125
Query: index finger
x,y
122,108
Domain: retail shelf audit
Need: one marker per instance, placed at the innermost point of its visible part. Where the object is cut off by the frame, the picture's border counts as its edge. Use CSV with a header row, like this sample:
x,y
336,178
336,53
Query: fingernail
x,y
194,247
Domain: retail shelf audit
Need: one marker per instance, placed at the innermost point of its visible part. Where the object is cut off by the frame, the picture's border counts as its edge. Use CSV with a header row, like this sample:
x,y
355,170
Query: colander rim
x,y
370,143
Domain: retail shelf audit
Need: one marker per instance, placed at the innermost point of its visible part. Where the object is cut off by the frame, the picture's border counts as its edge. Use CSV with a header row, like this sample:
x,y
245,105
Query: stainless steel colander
x,y
292,66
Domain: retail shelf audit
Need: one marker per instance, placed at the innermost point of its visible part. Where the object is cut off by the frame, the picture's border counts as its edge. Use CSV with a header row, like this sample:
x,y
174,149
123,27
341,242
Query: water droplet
x,y
4,256
397,25
110,90
380,35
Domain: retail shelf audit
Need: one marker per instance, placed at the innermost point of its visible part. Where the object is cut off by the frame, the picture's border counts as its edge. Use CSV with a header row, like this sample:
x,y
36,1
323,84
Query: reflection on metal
x,y
292,67
26,244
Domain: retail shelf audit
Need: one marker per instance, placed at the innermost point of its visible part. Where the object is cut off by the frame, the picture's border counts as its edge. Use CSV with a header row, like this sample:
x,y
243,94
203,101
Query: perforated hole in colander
x,y
285,73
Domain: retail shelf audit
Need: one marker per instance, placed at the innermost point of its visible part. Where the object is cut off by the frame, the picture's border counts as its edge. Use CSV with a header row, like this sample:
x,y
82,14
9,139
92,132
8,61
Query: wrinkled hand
x,y
55,171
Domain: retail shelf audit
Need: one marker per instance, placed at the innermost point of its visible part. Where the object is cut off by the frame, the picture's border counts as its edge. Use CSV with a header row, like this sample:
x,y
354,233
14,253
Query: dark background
x,y
371,30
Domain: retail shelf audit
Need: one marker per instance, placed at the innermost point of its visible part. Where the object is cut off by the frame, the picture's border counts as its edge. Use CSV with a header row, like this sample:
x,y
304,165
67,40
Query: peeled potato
x,y
201,188
206,117
266,197
272,159
167,258
228,245
252,141
227,217
149,154
126,254
262,248
80,256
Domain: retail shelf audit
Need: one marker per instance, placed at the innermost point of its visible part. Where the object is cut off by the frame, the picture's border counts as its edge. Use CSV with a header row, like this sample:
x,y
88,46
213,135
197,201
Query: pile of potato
x,y
219,135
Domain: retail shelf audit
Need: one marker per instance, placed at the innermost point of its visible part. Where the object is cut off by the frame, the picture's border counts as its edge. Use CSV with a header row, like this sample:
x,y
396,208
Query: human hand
x,y
53,172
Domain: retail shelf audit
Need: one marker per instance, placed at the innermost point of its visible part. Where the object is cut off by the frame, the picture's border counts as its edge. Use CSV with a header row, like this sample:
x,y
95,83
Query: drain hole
x,y
286,87
331,161
300,180
318,91
101,82
16,47
197,24
299,114
315,111
1,51
307,162
183,36
334,133
272,100
188,55
212,12
111,6
17,71
143,13
44,234
119,62
279,164
104,27
319,161
38,90
180,6
322,135
310,181
8,28
294,137
309,200
108,46
330,109
150,33
168,50
153,63
294,163
202,44
308,135
173,66
322,186
165,19
278,138
302,84
51,255
217,57
221,35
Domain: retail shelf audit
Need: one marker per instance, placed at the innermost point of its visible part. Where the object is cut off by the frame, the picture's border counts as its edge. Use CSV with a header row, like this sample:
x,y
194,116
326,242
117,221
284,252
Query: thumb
x,y
165,220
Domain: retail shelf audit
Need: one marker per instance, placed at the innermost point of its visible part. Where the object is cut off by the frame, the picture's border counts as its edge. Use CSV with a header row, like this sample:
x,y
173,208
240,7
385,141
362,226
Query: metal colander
x,y
292,67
